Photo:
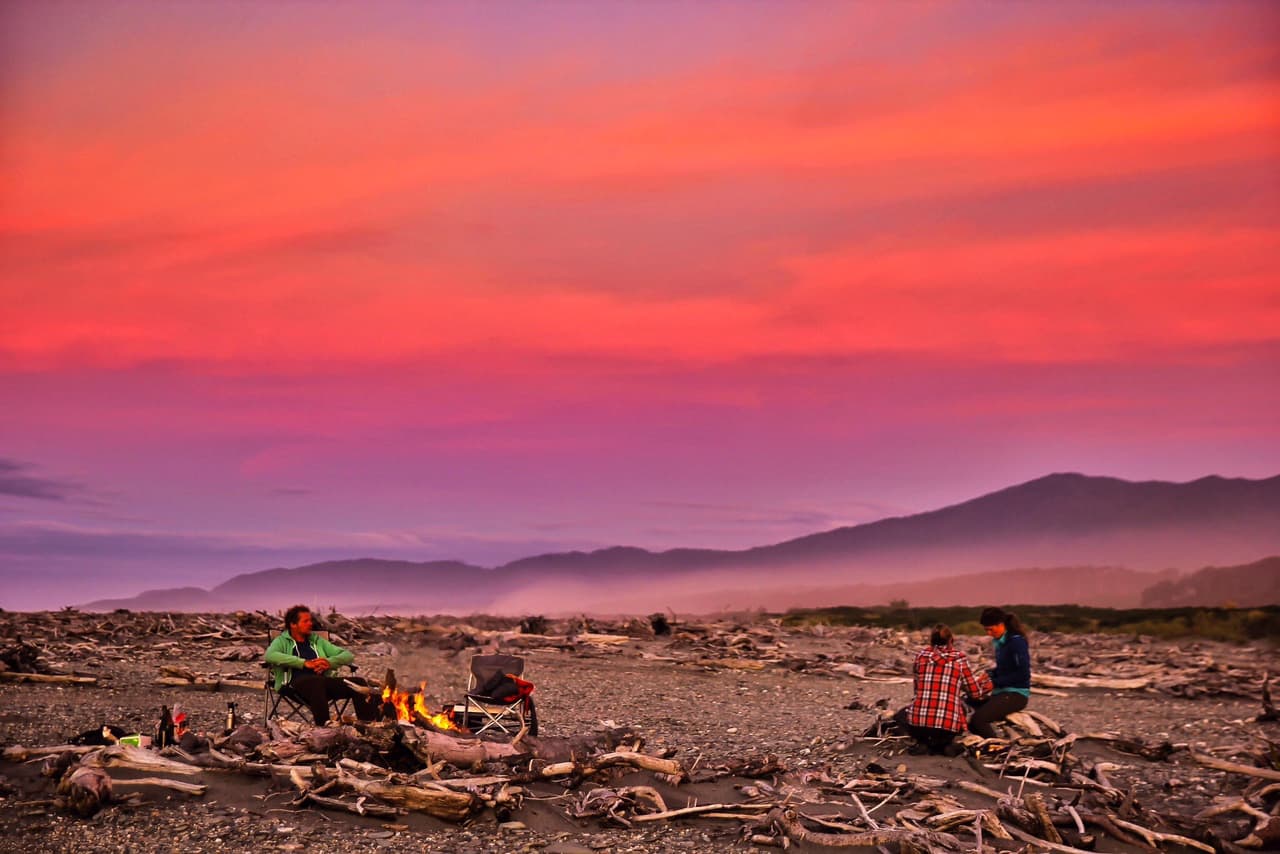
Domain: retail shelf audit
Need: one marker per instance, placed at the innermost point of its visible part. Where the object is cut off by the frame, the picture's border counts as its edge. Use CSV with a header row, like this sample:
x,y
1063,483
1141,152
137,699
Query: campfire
x,y
411,707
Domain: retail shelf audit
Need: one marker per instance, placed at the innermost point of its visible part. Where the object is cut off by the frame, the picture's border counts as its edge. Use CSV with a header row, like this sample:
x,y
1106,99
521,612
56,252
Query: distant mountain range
x,y
1096,540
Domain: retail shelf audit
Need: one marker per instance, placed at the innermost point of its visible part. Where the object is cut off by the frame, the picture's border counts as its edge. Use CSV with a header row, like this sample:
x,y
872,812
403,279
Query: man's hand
x,y
318,665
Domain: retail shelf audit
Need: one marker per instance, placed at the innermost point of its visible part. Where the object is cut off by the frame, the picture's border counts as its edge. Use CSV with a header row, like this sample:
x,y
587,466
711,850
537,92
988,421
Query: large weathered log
x,y
469,752
137,759
459,751
435,801
201,683
601,639
18,753
1053,681
590,766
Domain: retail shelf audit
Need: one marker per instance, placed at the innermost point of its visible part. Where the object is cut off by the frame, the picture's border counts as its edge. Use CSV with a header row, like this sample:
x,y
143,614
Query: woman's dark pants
x,y
996,708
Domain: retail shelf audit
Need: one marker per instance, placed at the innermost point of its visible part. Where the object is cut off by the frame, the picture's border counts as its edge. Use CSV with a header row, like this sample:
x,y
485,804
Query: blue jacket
x,y
1013,664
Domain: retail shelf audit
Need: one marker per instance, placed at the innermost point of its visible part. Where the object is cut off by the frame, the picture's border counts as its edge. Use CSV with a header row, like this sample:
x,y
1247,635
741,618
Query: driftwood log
x,y
66,679
86,790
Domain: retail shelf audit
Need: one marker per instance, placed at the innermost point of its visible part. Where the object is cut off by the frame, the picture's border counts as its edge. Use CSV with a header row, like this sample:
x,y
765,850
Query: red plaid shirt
x,y
941,673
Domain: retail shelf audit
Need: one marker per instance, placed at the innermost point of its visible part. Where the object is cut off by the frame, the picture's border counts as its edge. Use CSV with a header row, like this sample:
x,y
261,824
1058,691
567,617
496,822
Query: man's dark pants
x,y
316,691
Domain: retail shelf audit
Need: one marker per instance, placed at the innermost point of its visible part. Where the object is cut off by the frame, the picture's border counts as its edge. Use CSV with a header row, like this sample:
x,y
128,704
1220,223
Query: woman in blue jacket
x,y
1011,677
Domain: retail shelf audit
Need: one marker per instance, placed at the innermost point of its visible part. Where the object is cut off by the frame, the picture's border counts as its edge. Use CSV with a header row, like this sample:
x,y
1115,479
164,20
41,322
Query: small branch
x,y
1018,833
1234,768
194,789
1153,836
10,676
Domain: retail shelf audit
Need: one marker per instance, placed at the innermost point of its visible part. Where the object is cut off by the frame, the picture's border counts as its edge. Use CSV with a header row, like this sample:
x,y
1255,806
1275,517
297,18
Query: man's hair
x,y
294,614
941,635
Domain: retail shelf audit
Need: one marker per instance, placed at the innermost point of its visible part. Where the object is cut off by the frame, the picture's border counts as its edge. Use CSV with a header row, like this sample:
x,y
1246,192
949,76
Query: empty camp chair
x,y
289,706
498,698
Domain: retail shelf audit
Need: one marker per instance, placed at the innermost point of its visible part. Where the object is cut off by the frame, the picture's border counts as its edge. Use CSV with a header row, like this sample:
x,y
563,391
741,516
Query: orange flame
x,y
412,706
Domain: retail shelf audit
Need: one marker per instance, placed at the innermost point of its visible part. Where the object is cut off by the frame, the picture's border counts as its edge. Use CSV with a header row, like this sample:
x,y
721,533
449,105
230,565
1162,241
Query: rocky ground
x,y
709,696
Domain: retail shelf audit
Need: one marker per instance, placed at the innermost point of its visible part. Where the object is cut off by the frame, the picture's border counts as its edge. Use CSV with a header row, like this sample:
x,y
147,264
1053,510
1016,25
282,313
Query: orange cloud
x,y
396,196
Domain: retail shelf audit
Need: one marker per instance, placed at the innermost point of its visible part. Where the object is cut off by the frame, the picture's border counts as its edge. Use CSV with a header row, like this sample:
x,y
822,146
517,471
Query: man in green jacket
x,y
305,665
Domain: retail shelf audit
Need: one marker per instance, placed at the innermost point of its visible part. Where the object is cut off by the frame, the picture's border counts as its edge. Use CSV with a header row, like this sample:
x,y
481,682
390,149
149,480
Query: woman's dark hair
x,y
295,613
994,616
941,635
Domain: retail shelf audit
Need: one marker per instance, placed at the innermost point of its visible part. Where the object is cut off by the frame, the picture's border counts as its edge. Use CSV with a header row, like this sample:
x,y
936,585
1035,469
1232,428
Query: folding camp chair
x,y
289,706
482,712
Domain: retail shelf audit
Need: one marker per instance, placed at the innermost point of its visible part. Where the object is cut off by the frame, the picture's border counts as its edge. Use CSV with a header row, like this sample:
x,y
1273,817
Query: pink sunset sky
x,y
284,282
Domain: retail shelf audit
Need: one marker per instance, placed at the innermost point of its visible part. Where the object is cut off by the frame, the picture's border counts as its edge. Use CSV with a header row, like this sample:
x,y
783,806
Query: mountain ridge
x,y
1058,520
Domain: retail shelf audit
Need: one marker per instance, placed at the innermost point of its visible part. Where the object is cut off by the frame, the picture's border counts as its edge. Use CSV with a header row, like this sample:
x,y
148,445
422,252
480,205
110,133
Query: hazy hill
x,y
1252,584
1099,586
382,585
1062,520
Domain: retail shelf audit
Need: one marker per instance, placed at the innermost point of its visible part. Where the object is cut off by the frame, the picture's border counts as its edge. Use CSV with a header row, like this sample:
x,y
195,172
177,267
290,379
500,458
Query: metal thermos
x,y
231,717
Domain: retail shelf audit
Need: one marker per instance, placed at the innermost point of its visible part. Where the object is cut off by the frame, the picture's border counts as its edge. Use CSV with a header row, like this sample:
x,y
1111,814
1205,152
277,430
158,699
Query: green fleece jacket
x,y
282,656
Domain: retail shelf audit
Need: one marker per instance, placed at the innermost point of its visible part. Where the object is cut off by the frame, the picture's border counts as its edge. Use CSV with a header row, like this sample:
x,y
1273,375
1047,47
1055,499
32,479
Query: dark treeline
x,y
1227,624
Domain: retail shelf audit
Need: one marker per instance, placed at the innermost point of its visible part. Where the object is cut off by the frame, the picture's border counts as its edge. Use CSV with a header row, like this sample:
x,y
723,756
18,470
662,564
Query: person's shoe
x,y
953,749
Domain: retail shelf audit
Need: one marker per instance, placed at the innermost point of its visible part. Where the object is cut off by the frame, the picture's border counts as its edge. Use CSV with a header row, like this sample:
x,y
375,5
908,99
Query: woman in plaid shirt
x,y
942,672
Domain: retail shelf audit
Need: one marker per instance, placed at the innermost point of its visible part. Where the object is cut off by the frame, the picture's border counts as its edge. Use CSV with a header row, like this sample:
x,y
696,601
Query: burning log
x,y
411,706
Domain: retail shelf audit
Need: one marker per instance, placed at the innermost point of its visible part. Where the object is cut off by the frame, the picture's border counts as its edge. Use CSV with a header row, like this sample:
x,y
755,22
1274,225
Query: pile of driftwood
x,y
1110,662
1124,663
1062,801
1033,786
